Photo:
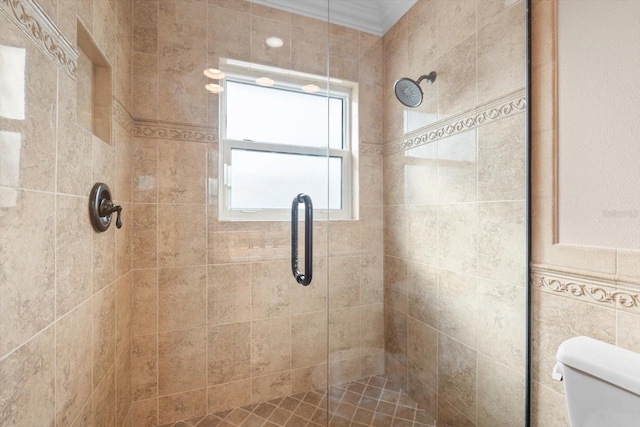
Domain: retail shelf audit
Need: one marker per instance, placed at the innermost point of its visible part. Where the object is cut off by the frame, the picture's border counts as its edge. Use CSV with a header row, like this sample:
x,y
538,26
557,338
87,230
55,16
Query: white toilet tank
x,y
601,383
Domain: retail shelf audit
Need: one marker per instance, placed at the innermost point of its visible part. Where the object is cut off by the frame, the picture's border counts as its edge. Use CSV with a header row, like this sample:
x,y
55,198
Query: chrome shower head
x,y
408,91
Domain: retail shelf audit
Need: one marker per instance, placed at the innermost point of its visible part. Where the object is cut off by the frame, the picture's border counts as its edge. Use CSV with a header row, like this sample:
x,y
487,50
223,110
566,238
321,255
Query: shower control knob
x,y
107,208
101,207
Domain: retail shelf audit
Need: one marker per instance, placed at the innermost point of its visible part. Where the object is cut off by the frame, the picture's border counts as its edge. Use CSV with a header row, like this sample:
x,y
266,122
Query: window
x,y
280,140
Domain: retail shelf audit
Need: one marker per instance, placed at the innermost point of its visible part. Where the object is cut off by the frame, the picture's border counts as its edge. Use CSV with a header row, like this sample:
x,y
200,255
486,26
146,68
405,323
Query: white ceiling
x,y
371,16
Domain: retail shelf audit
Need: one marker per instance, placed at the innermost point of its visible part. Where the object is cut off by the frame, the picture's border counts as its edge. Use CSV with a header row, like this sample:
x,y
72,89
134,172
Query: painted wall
x,y
218,321
599,181
577,289
454,212
65,291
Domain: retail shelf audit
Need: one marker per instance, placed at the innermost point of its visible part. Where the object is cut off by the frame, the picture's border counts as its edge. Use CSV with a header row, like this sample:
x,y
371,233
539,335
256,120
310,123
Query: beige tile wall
x,y
576,290
66,291
454,216
218,320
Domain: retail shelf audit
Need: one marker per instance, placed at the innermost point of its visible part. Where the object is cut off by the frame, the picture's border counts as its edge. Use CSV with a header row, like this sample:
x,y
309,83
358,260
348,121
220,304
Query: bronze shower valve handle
x,y
101,207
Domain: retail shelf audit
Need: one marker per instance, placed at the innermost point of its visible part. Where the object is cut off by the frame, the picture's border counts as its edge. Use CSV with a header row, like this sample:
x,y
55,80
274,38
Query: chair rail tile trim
x,y
508,105
161,130
587,289
122,116
29,17
370,149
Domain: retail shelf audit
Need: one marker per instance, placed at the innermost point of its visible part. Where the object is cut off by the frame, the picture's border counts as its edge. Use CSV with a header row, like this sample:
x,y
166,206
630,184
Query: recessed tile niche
x,y
94,87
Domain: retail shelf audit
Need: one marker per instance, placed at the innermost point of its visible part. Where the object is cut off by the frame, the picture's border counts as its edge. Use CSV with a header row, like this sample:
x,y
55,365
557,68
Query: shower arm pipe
x,y
431,77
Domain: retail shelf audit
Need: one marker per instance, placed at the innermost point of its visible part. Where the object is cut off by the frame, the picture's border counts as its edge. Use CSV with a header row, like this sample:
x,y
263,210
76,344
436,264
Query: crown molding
x,y
370,16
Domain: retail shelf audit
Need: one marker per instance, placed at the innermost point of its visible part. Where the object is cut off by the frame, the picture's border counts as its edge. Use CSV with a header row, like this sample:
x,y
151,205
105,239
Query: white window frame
x,y
238,71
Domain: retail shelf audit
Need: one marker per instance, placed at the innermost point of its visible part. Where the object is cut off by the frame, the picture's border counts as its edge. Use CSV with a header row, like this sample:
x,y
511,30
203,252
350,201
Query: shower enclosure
x,y
416,307
297,247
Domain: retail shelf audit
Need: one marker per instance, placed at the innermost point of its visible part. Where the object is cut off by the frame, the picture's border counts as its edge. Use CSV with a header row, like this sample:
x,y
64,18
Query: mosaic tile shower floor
x,y
373,401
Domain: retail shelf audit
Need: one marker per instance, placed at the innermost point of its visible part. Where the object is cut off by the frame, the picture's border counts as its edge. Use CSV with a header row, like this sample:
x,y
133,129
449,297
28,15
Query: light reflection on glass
x,y
12,82
458,148
415,119
146,183
8,197
10,145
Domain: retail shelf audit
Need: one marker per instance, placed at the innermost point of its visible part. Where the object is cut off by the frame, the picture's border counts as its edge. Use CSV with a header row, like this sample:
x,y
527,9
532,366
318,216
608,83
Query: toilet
x,y
601,383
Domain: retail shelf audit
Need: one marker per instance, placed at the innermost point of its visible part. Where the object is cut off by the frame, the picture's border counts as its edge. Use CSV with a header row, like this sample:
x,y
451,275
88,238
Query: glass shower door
x,y
282,170
291,127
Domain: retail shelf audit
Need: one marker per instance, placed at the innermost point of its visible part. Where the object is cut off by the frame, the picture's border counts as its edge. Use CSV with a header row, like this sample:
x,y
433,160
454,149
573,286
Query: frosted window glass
x,y
265,180
280,116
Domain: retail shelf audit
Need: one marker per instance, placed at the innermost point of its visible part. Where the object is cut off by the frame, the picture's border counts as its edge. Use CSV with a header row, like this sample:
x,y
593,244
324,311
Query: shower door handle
x,y
303,278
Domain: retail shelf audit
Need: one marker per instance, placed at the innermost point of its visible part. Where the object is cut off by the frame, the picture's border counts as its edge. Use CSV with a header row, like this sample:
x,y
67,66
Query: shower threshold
x,y
372,401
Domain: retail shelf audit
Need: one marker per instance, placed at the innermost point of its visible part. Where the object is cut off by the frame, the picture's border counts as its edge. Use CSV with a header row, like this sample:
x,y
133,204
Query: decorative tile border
x,y
599,291
162,130
192,133
505,106
122,116
177,132
369,149
35,23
